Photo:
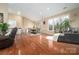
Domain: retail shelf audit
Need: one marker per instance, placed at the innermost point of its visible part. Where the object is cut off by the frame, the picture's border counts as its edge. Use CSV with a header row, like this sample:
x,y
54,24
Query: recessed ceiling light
x,y
18,13
40,13
48,8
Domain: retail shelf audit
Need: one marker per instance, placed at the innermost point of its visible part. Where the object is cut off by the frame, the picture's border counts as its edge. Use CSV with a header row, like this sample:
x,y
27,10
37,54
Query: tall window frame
x,y
53,21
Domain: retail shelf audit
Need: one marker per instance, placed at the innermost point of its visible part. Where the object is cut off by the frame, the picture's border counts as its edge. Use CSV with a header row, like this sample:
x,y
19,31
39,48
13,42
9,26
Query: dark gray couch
x,y
72,38
8,41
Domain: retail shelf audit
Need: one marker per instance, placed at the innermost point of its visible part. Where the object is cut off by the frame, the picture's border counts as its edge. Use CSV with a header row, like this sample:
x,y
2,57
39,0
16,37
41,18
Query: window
x,y
12,23
55,22
60,19
50,24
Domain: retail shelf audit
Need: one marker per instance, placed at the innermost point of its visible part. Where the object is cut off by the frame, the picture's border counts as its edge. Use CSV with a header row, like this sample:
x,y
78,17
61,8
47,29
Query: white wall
x,y
4,10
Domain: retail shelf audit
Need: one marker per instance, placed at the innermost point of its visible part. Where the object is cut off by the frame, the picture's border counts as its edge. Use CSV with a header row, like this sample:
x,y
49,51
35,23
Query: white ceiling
x,y
35,11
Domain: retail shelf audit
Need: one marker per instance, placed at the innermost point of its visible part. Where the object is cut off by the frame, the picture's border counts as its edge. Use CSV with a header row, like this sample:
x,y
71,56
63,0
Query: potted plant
x,y
62,26
3,28
66,24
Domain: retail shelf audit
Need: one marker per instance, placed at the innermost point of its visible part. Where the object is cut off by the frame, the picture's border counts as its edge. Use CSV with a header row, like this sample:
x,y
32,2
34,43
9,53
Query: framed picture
x,y
1,17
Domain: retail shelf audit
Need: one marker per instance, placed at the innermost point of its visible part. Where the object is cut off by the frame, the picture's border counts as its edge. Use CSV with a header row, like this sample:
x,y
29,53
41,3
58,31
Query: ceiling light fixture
x,y
18,13
40,13
48,8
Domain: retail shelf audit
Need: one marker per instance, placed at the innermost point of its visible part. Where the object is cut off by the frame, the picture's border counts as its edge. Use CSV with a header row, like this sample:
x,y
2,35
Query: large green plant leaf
x,y
3,26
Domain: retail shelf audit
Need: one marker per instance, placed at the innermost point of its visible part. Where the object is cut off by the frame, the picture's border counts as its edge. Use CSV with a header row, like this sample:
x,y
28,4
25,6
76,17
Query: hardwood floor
x,y
38,45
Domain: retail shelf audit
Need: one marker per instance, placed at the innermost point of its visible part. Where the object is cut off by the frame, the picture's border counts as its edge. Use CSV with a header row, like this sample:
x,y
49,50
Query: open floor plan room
x,y
39,28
